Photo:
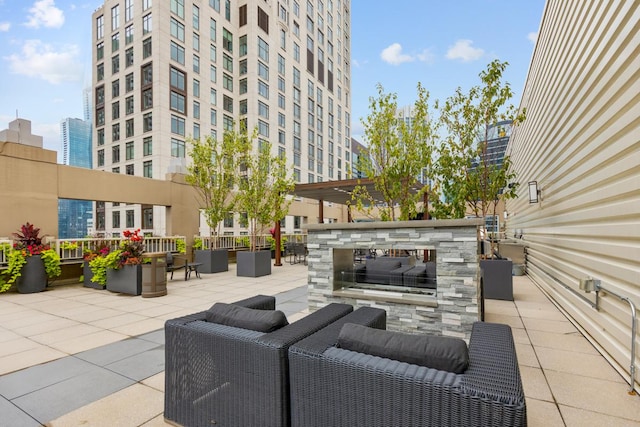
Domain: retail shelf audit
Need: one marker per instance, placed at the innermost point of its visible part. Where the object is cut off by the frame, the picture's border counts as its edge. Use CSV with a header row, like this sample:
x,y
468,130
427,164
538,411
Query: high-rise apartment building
x,y
75,216
168,70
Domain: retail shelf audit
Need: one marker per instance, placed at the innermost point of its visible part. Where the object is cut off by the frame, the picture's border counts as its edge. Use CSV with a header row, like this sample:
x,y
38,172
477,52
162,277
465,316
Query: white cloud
x,y
355,63
5,26
426,56
393,55
45,13
464,51
533,37
40,60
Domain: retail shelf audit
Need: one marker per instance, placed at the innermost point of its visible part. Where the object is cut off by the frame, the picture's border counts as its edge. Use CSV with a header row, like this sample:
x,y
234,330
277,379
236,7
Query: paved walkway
x,y
74,356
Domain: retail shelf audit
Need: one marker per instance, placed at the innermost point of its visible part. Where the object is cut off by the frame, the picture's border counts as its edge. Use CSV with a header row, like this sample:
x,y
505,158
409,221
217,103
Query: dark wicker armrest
x,y
284,337
493,370
317,343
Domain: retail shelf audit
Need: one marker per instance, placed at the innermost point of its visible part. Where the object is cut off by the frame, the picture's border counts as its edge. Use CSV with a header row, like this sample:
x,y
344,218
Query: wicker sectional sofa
x,y
332,386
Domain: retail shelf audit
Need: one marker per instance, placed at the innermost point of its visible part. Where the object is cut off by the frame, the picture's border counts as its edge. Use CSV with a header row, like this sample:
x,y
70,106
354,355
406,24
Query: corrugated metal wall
x,y
581,143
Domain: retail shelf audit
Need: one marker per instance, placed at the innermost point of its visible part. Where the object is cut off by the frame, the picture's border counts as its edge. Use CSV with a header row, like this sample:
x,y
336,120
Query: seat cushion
x,y
246,318
443,353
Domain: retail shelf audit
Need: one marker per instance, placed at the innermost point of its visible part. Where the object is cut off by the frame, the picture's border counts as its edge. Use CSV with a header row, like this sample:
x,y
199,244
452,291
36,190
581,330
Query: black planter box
x,y
213,261
126,280
88,275
253,264
33,277
497,279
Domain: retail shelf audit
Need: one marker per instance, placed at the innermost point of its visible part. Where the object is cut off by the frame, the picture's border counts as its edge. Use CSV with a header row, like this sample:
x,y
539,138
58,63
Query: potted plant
x,y
94,267
211,173
272,243
471,179
124,265
30,262
262,187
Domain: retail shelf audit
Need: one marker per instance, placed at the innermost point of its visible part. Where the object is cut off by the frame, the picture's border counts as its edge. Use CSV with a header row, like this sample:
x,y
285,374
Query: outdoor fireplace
x,y
447,303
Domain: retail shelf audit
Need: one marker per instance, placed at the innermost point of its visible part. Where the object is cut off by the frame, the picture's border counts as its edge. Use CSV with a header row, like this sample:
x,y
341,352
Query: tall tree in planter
x,y
397,154
468,179
262,186
212,174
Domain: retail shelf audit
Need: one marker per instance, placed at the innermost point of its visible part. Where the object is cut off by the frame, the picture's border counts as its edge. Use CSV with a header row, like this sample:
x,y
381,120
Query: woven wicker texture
x,y
226,376
336,387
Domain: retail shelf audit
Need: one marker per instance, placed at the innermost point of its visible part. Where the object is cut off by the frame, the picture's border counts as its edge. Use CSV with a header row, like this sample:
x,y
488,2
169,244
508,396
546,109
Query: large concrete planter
x,y
33,277
253,264
497,279
126,280
213,261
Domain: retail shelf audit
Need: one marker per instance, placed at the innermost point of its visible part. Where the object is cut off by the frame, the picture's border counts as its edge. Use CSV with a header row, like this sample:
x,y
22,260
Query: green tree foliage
x,y
396,155
262,185
212,174
466,179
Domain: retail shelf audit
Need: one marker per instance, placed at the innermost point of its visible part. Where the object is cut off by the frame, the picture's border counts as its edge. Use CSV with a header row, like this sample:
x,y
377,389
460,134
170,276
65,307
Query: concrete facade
x,y
168,70
456,304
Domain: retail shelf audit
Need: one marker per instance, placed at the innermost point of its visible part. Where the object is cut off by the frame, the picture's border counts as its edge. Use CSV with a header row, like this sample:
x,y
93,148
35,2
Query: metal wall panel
x,y
581,143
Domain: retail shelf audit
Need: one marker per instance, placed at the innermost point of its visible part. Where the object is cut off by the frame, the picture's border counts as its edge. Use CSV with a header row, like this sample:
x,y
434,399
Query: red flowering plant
x,y
131,249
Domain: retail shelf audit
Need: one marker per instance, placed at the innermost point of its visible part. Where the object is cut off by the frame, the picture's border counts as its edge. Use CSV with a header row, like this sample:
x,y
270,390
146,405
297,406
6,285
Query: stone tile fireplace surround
x,y
456,303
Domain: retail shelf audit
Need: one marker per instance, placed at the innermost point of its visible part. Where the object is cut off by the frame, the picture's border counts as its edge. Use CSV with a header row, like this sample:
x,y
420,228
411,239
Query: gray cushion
x,y
382,265
443,353
246,318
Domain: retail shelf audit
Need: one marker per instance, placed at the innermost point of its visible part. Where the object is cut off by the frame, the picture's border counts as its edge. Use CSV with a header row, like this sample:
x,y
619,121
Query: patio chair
x,y
171,265
333,386
217,374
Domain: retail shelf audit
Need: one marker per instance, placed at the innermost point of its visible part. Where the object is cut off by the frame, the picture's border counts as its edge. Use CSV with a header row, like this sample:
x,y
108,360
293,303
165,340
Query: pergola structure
x,y
339,192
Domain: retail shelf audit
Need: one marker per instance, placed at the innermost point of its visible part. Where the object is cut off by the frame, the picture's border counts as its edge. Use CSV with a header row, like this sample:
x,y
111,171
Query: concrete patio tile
x,y
141,327
526,355
44,327
141,365
155,336
571,342
135,405
541,313
25,318
14,416
17,345
6,335
513,321
96,313
113,322
601,396
534,384
506,308
556,326
25,359
588,365
65,334
156,422
89,341
156,311
520,336
575,417
117,351
156,381
29,380
542,414
63,397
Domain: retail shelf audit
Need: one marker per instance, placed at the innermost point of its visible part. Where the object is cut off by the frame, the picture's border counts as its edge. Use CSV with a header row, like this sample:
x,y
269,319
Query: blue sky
x,y
45,48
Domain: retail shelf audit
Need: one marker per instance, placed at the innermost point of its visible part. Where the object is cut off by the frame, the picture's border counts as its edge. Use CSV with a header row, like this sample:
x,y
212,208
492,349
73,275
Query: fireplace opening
x,y
387,271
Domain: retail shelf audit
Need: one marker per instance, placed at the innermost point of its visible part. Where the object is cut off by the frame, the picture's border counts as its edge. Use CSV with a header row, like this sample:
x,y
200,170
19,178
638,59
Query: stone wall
x,y
450,312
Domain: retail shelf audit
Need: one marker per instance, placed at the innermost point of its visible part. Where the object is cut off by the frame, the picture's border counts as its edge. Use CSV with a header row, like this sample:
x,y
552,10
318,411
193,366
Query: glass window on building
x,y
147,169
100,157
177,148
115,154
130,170
147,146
130,218
147,218
129,150
115,219
146,48
147,122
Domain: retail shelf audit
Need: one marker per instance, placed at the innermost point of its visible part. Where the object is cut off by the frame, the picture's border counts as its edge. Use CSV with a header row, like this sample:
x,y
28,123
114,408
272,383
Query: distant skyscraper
x,y
73,215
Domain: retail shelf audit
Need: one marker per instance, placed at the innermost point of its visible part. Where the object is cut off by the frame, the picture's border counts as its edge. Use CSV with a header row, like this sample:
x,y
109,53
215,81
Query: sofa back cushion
x,y
246,318
382,265
443,353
